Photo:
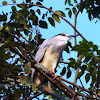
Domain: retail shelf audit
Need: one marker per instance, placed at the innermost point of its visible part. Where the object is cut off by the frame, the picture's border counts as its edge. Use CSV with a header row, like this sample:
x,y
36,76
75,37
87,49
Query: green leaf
x,y
65,2
3,17
38,3
75,1
13,8
30,36
35,20
83,67
43,16
69,2
87,77
69,44
28,80
60,13
38,11
4,3
69,73
90,43
14,1
34,88
74,10
90,16
80,74
51,21
67,8
56,18
87,58
27,68
95,47
67,49
41,0
22,79
71,59
91,70
63,71
98,52
43,24
70,13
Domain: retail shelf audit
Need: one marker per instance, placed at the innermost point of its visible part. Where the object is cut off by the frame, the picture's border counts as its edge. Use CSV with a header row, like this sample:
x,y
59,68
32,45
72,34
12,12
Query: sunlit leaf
x,y
60,13
14,1
65,2
4,3
34,88
56,18
30,36
22,79
28,80
27,68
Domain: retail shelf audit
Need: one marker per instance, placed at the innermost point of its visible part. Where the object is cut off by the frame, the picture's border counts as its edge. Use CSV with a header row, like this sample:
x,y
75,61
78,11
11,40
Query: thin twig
x,y
34,96
64,62
76,14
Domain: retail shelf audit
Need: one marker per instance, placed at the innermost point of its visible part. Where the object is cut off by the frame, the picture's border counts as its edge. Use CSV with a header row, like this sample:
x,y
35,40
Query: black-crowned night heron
x,y
49,54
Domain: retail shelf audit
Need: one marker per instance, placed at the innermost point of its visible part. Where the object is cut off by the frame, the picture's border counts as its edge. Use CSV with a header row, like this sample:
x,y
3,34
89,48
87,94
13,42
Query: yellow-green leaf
x,y
1,27
27,68
34,88
14,1
30,36
61,13
28,80
4,3
56,18
22,79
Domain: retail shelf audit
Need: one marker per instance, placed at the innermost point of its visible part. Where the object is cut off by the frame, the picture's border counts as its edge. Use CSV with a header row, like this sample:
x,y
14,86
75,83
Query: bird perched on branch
x,y
49,54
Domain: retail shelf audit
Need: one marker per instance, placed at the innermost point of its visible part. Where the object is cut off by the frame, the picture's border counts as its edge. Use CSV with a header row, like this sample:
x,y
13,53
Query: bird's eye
x,y
63,34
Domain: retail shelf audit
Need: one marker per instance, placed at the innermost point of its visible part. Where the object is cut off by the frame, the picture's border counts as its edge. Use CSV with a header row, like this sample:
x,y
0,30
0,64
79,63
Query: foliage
x,y
20,38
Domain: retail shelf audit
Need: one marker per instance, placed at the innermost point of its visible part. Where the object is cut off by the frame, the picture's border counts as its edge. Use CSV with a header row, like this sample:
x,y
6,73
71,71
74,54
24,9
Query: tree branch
x,y
52,93
34,96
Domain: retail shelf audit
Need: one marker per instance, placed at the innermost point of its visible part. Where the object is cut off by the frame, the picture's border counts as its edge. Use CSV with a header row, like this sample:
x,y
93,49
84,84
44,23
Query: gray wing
x,y
41,51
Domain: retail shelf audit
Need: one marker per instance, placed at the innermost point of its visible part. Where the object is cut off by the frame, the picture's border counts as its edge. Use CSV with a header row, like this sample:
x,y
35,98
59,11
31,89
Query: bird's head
x,y
65,37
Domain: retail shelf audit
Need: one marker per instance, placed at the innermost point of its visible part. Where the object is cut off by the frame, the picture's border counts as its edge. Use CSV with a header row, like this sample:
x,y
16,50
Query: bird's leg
x,y
53,72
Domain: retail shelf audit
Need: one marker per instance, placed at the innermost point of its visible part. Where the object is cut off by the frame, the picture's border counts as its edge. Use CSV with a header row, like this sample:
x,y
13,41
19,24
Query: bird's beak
x,y
71,36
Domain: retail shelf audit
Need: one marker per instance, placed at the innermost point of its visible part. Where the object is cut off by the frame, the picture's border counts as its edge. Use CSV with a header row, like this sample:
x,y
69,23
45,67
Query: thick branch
x,y
54,82
34,96
81,88
52,93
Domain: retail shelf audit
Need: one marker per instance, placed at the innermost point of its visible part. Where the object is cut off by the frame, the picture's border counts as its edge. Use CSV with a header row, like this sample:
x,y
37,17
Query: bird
x,y
49,54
